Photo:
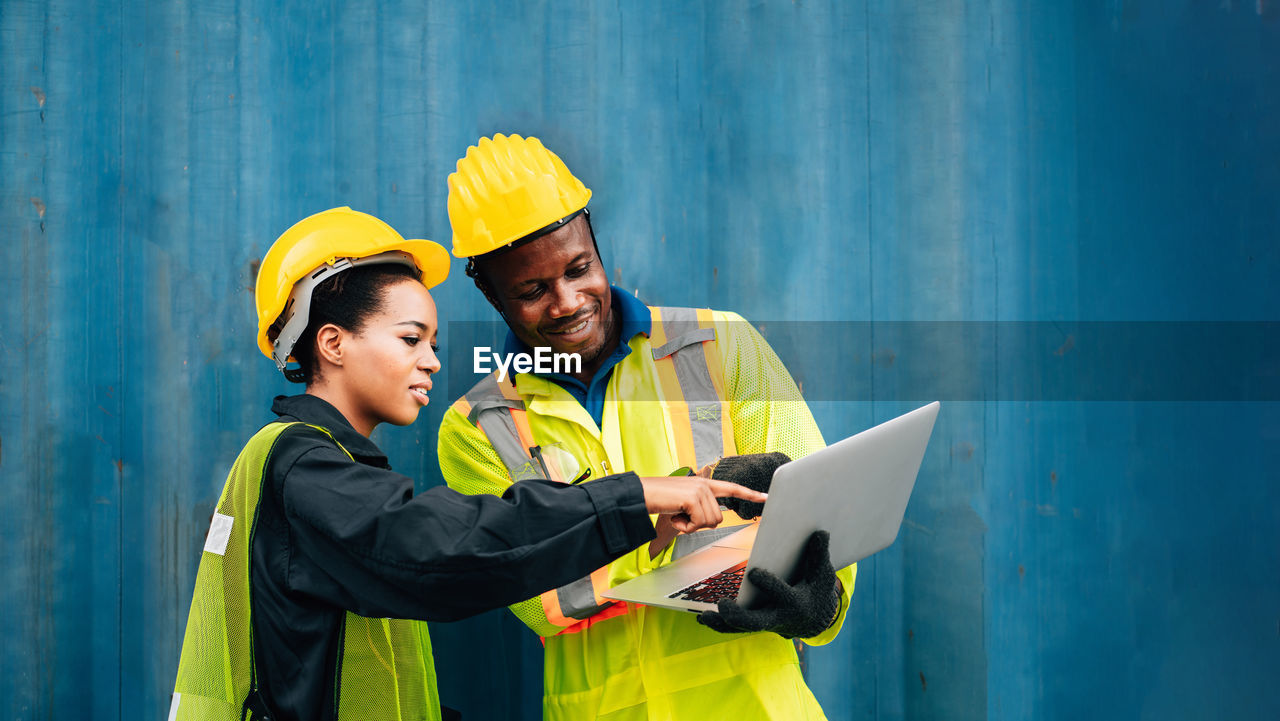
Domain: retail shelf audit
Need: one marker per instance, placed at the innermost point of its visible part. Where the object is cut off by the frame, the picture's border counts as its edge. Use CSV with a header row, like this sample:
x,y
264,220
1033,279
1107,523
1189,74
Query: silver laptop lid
x,y
856,489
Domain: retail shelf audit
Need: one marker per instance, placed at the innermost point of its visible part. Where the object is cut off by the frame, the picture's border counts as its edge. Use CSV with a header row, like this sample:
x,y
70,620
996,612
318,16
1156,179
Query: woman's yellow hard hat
x,y
316,248
506,188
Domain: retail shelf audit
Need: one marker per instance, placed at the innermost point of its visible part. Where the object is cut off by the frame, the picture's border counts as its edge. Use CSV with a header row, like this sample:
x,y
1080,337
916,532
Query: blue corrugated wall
x,y
1113,160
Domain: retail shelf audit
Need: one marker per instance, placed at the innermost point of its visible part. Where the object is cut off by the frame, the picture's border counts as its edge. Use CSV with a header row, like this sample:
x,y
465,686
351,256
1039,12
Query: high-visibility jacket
x,y
703,384
385,669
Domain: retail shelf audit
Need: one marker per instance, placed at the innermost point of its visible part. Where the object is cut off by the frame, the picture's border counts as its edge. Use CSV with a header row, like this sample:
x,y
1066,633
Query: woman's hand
x,y
690,501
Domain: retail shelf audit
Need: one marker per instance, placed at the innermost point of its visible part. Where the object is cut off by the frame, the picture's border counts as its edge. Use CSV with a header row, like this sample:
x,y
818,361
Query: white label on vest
x,y
173,707
219,534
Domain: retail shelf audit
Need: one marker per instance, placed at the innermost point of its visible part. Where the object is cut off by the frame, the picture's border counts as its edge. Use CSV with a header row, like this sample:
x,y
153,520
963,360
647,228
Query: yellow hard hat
x,y
316,248
506,188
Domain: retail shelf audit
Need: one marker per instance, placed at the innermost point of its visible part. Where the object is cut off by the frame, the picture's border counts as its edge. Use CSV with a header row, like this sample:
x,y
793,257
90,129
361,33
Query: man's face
x,y
555,293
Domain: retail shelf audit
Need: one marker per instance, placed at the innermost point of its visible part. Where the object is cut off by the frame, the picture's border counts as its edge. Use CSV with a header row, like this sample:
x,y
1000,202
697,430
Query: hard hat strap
x,y
472,272
297,311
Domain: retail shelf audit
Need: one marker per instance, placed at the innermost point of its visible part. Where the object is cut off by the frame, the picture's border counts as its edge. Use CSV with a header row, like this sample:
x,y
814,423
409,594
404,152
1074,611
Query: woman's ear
x,y
329,341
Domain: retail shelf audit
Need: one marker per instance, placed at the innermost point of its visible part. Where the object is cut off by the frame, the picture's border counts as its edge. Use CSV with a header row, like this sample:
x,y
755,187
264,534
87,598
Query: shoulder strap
x,y
691,369
497,409
689,365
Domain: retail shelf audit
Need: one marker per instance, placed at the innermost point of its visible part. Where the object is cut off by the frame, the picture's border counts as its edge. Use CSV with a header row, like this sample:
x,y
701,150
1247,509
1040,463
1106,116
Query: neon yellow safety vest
x,y
702,385
385,664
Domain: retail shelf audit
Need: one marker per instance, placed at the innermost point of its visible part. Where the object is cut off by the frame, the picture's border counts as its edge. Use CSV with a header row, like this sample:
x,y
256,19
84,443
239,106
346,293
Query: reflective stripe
x,y
677,322
715,367
694,336
219,534
578,599
526,439
677,411
687,353
485,405
617,608
494,414
704,413
173,707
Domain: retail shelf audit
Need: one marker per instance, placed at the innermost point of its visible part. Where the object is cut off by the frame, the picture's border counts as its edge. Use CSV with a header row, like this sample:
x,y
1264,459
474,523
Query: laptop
x,y
856,490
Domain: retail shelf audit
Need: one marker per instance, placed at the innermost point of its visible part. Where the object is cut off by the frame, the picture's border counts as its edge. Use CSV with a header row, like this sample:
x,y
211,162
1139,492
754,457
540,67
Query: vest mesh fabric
x,y
213,671
385,666
773,394
383,674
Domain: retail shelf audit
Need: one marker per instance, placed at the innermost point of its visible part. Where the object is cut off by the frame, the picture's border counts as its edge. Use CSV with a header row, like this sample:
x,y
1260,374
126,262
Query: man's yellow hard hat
x,y
316,248
506,188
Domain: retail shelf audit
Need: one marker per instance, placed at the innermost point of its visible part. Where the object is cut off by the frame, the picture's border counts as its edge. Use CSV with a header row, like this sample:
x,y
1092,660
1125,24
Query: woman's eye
x,y
435,348
412,340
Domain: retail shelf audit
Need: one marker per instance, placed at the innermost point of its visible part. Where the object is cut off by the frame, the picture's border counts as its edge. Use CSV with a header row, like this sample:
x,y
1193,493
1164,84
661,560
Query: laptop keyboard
x,y
714,588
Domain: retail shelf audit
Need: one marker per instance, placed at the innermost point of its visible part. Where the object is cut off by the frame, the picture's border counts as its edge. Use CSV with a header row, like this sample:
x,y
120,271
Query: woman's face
x,y
387,365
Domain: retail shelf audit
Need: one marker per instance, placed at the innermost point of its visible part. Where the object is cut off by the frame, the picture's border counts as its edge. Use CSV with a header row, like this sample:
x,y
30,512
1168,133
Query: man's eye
x,y
579,271
531,295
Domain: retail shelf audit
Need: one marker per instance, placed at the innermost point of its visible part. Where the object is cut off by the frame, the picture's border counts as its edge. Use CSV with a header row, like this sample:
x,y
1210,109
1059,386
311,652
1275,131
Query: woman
x,y
319,552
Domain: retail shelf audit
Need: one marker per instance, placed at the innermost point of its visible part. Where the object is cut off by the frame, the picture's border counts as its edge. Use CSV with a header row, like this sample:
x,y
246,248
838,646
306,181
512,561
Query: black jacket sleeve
x,y
360,539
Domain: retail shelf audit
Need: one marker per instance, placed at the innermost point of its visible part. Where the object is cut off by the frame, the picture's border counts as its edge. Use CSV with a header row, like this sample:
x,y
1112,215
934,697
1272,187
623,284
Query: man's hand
x,y
803,610
753,470
691,501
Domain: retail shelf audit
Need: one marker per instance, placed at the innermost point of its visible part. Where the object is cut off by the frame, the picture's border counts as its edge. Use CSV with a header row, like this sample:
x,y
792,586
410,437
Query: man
x,y
658,389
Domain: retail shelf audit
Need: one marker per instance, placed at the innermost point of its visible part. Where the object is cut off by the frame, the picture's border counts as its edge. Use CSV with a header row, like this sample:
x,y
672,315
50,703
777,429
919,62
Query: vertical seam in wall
x,y
120,354
333,103
871,296
875,586
982,568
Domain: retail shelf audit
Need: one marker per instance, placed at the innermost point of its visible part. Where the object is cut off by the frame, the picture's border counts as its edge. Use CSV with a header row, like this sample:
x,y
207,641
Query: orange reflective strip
x,y
551,609
519,416
657,332
555,616
523,429
706,319
619,608
509,390
463,406
600,582
677,411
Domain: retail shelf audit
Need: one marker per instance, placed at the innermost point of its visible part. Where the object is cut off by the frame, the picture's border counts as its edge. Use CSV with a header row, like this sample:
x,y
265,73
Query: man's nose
x,y
565,300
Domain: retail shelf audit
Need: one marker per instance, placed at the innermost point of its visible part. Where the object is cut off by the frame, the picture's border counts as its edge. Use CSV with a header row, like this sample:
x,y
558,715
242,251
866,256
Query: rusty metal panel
x,y
61,402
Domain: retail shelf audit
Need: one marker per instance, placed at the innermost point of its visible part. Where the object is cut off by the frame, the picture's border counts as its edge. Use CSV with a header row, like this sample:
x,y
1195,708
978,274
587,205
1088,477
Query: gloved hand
x,y
753,470
800,610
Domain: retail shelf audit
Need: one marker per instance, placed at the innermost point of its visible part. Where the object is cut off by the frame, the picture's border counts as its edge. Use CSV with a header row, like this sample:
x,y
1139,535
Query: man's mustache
x,y
574,320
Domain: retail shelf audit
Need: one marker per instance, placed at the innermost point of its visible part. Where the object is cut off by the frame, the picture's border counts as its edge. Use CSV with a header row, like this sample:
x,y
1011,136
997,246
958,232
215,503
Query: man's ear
x,y
329,341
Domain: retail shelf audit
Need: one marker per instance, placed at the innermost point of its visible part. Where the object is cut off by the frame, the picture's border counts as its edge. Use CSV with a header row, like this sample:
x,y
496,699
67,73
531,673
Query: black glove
x,y
800,610
753,470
